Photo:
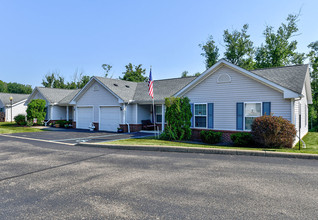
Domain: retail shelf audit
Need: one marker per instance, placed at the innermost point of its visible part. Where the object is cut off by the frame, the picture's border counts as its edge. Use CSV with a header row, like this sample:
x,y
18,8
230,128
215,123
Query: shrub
x,y
273,132
242,139
20,119
29,123
211,137
62,123
36,109
178,117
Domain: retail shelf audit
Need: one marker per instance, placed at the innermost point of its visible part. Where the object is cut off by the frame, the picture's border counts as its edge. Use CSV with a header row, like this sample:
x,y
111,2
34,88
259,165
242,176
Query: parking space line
x,y
85,138
34,139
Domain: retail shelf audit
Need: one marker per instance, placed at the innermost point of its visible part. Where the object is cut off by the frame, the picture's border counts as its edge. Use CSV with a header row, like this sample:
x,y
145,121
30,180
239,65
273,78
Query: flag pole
x,y
153,108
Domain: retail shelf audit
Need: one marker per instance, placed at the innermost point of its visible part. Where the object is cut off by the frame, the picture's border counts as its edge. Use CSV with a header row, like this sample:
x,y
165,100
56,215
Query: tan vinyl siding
x,y
95,96
240,89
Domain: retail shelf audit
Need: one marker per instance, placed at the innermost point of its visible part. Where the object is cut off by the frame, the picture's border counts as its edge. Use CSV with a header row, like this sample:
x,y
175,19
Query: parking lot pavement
x,y
74,136
43,180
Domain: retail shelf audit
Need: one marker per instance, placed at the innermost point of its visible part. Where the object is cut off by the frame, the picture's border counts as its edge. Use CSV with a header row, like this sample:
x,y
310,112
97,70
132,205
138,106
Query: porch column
x,y
124,114
67,113
163,117
51,112
136,121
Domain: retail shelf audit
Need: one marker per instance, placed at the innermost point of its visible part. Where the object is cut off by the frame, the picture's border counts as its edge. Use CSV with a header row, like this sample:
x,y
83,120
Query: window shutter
x,y
210,115
239,115
192,111
266,108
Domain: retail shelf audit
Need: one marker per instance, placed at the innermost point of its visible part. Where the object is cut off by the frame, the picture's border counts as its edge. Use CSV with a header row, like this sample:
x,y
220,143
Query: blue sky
x,y
38,37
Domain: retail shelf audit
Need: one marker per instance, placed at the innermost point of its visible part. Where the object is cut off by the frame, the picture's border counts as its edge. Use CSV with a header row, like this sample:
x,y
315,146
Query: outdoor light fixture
x,y
11,99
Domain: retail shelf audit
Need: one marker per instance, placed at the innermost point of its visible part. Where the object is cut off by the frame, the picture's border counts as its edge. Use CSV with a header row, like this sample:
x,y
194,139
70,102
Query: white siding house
x,y
18,107
57,102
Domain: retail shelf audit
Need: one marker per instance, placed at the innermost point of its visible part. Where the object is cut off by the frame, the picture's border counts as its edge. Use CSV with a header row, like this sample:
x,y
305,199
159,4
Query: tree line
x,y
55,80
15,88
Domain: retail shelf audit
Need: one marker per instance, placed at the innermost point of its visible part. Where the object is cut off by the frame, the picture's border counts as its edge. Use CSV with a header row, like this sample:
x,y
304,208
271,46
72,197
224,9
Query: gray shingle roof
x,y
139,91
5,98
67,99
161,88
289,77
57,95
123,89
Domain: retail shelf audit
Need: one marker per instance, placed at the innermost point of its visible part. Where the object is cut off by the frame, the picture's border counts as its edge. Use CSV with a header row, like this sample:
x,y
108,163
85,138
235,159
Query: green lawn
x,y
311,140
9,128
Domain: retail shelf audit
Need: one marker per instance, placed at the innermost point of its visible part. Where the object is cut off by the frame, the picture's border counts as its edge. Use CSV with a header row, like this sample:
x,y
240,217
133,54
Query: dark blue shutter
x,y
192,111
239,115
266,108
210,115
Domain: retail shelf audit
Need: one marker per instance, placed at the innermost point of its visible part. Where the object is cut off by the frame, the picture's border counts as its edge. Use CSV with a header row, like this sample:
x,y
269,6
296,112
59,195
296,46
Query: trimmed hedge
x,y
210,137
20,119
242,139
273,132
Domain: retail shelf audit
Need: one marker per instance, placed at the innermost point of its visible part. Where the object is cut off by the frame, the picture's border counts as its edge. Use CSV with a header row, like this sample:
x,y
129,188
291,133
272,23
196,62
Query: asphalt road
x,y
40,180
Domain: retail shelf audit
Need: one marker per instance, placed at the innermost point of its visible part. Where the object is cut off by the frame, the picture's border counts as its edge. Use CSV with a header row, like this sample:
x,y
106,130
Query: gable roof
x,y
286,80
125,90
5,98
54,95
161,88
138,91
290,77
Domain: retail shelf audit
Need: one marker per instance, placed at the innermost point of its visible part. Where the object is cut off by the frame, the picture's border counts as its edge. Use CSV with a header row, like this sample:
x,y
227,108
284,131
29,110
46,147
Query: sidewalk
x,y
203,150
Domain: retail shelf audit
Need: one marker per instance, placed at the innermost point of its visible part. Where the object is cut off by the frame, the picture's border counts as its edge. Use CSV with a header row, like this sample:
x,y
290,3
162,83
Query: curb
x,y
203,150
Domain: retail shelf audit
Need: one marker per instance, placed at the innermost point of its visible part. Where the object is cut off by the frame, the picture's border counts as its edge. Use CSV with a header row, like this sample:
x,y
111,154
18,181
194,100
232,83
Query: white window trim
x,y
206,114
250,116
158,114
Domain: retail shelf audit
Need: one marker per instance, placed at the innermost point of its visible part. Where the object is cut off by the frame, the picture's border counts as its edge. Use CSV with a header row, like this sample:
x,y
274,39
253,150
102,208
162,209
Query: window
x,y
251,111
200,116
158,113
1,109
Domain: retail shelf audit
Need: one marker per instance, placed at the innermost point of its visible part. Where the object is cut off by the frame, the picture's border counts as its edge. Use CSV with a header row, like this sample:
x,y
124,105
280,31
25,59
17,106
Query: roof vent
x,y
115,84
127,86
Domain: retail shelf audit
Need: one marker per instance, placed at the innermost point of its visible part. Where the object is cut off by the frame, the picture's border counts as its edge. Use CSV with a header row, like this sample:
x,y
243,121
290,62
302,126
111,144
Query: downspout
x,y
125,109
299,129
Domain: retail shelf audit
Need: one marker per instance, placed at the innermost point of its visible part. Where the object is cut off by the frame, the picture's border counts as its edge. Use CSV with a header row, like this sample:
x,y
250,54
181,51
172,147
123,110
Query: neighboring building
x,y
224,98
18,106
57,102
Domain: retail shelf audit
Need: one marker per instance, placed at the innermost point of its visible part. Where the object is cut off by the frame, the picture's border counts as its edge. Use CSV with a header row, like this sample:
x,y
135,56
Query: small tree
x,y
178,116
36,109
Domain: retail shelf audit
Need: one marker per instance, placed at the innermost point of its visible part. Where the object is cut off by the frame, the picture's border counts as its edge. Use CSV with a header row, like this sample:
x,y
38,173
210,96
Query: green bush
x,y
36,109
314,129
210,137
62,123
29,123
178,117
20,119
242,139
273,132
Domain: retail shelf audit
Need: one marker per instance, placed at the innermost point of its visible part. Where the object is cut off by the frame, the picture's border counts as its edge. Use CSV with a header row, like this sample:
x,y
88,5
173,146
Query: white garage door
x,y
84,117
109,118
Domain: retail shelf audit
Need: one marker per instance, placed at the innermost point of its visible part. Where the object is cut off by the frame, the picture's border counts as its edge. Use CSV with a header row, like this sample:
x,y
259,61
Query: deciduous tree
x,y
134,73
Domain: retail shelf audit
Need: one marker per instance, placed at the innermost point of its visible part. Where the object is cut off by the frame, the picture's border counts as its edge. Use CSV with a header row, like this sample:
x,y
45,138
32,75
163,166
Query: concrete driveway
x,y
74,136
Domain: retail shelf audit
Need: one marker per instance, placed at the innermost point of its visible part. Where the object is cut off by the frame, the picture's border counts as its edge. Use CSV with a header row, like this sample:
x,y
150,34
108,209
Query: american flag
x,y
150,85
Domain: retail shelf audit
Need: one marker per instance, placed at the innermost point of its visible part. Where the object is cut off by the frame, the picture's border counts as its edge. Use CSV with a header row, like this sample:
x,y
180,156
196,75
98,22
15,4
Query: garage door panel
x,y
84,117
109,118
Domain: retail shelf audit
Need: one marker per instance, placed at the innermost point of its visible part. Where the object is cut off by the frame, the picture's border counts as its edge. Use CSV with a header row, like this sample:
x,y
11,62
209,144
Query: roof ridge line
x,y
279,67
